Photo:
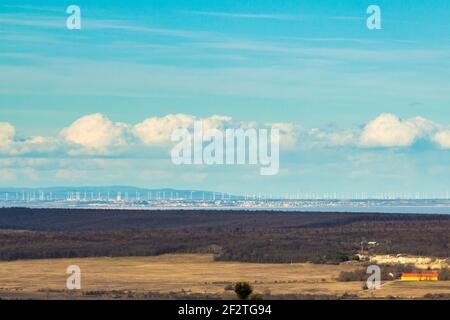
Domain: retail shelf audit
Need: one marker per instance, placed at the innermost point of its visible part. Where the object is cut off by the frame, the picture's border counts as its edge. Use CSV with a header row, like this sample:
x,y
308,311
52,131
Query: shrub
x,y
243,290
336,257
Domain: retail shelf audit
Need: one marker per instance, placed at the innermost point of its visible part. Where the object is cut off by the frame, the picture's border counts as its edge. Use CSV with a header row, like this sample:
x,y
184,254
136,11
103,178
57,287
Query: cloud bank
x,y
388,130
96,134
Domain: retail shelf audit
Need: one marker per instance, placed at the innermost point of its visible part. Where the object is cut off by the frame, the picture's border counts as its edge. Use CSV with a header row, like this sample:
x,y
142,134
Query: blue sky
x,y
311,65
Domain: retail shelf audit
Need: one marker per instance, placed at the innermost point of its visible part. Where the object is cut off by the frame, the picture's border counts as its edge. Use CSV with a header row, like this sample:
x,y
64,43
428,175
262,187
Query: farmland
x,y
191,275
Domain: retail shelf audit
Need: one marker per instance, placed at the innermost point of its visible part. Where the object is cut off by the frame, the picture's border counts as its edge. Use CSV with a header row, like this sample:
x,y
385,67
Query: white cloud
x,y
332,138
442,139
7,133
289,133
341,138
37,144
388,130
218,122
157,131
94,134
10,145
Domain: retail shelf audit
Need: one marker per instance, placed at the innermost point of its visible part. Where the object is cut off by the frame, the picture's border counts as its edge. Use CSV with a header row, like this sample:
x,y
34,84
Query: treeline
x,y
108,220
276,238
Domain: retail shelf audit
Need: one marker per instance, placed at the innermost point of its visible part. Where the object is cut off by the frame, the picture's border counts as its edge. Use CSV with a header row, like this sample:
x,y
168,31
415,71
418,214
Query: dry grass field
x,y
406,289
195,274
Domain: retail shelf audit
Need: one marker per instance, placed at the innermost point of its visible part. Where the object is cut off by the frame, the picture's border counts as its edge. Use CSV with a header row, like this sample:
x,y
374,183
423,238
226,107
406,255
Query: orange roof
x,y
434,274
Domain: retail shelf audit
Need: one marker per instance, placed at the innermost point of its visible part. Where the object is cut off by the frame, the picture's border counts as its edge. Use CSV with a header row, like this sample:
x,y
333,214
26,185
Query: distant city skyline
x,y
359,111
171,199
129,193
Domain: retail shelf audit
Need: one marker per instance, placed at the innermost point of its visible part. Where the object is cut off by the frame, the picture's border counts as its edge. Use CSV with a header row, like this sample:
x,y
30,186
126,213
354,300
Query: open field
x,y
190,274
